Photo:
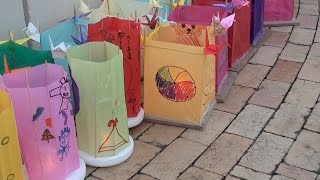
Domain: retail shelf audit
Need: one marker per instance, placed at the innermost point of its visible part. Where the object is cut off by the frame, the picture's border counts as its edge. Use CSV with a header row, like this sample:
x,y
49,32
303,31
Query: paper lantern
x,y
279,12
10,164
19,56
102,123
239,33
179,78
126,35
41,101
257,20
203,15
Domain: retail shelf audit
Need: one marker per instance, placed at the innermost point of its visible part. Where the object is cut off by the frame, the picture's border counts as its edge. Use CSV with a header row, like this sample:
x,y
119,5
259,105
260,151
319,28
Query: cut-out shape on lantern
x,y
175,84
117,138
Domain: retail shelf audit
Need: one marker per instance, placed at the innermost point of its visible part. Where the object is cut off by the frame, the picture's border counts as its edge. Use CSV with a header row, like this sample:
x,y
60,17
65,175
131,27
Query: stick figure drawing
x,y
64,142
64,92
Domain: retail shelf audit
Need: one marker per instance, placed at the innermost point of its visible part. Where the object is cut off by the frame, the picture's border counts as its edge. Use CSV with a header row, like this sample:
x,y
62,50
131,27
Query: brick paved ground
x,y
268,128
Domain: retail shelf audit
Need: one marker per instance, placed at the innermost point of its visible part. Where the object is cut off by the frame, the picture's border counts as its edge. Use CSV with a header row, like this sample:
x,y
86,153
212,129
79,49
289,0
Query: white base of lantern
x,y
108,161
78,174
135,121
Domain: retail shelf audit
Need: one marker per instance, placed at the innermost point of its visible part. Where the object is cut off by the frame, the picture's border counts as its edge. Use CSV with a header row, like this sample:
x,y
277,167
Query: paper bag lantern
x,y
179,78
239,33
10,164
278,11
257,20
41,101
19,56
66,34
102,123
126,35
203,15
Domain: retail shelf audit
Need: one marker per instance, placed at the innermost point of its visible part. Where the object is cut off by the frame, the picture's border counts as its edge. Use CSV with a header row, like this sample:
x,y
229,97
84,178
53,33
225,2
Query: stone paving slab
x,y
174,159
266,55
270,94
310,70
89,170
216,124
250,121
307,21
92,178
313,122
142,154
314,52
295,173
302,36
305,152
284,71
287,29
194,173
279,177
142,177
309,9
252,75
230,177
311,2
288,120
161,135
277,39
303,93
249,174
294,52
236,100
223,154
138,130
266,153
317,37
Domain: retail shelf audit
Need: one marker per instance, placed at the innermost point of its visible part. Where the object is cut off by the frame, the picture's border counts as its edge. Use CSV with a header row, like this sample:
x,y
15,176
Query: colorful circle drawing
x,y
175,84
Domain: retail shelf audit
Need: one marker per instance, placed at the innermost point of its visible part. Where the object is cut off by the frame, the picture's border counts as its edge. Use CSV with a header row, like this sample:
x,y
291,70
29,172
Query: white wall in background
x,y
42,13
11,18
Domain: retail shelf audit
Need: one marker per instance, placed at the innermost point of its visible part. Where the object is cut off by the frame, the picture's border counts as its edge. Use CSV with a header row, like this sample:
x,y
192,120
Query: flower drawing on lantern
x,y
64,142
64,92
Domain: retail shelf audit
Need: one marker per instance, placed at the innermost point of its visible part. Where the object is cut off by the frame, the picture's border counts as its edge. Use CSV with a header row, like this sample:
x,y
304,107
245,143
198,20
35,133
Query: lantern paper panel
x,y
239,33
19,56
65,33
276,10
10,155
41,101
126,35
203,15
102,123
179,78
257,20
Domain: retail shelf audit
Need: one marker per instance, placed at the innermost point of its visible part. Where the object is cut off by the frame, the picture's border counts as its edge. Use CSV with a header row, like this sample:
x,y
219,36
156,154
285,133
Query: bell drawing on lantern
x,y
113,134
102,123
